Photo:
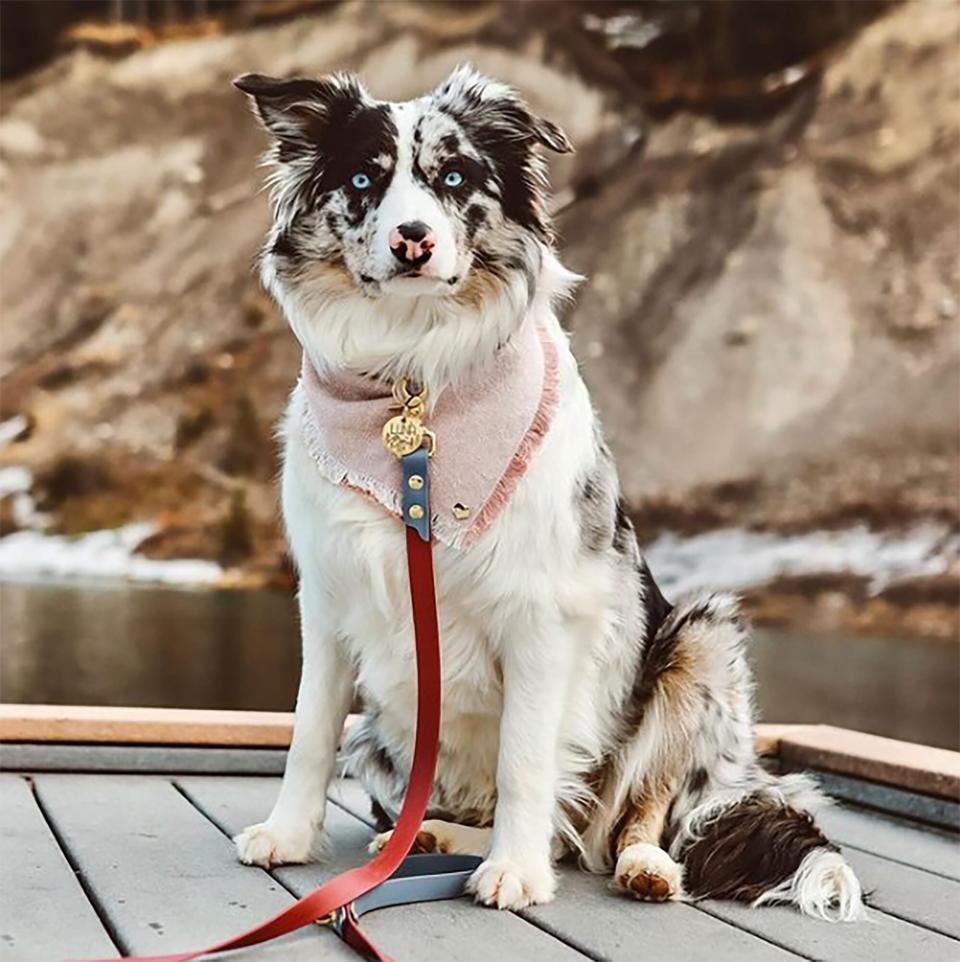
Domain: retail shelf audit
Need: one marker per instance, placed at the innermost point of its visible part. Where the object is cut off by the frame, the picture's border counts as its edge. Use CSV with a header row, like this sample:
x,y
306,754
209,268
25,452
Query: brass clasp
x,y
404,433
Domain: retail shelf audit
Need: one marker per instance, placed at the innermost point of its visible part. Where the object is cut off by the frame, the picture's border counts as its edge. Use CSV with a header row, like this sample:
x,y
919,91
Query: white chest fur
x,y
351,558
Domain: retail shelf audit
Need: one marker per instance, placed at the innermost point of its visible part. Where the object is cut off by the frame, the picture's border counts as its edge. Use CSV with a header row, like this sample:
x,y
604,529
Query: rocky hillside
x,y
770,325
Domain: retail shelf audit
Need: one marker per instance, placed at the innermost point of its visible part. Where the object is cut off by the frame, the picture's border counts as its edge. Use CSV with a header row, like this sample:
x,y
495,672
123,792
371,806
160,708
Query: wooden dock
x,y
115,831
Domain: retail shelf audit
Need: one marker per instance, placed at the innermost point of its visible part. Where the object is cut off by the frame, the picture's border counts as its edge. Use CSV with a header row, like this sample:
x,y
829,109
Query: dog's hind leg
x,y
449,838
643,868
687,780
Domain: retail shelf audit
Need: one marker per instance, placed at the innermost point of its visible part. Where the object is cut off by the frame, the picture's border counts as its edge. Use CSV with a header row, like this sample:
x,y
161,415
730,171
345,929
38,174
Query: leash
x,y
393,876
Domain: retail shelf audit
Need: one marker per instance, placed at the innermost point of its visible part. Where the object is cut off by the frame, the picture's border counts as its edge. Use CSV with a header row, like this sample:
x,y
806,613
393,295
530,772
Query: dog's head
x,y
439,197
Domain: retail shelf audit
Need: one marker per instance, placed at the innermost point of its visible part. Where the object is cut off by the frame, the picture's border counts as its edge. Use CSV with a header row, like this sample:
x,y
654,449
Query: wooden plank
x,y
897,801
586,913
429,932
769,735
144,726
43,911
919,768
909,893
894,839
164,877
878,938
270,761
102,724
141,759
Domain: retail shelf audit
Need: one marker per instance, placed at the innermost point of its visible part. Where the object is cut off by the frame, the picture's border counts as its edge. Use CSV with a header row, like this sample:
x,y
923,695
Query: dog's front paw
x,y
512,884
647,872
266,845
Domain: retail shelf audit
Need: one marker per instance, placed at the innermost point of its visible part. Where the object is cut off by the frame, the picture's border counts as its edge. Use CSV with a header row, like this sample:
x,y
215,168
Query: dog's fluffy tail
x,y
759,848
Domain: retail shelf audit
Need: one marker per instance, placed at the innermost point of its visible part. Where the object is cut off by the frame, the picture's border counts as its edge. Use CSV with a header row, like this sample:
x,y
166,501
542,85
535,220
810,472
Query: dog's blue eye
x,y
361,181
453,179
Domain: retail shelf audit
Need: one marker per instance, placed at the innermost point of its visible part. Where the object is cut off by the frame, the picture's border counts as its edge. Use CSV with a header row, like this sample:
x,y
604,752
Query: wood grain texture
x,y
427,932
588,914
165,878
156,859
588,920
919,768
881,939
186,726
144,726
909,893
894,839
927,809
44,913
619,928
140,759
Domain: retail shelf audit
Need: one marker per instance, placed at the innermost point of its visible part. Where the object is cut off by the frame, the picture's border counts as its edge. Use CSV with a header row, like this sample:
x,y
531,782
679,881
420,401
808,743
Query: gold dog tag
x,y
403,434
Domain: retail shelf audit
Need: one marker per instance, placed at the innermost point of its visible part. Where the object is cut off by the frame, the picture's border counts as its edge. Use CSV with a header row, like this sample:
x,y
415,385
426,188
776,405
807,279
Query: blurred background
x,y
765,199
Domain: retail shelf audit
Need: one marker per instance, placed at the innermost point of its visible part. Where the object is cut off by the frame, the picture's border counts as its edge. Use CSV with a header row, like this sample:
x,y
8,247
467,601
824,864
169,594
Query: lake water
x,y
131,645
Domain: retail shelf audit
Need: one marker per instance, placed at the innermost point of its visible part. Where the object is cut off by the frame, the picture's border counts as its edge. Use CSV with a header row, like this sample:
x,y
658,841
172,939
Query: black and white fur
x,y
581,711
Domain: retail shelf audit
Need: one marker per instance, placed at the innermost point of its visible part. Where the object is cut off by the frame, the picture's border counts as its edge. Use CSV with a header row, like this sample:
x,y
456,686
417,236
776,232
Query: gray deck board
x,y
44,913
882,938
943,812
910,893
155,860
140,759
894,838
430,932
913,894
617,928
164,877
622,929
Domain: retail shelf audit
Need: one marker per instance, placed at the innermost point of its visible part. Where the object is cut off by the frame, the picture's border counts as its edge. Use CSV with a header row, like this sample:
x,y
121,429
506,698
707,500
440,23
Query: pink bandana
x,y
487,431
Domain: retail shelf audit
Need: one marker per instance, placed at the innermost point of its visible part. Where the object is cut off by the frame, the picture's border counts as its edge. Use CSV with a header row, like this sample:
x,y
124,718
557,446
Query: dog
x,y
583,713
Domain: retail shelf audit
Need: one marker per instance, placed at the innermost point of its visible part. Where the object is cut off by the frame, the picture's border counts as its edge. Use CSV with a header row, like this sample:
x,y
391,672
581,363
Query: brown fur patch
x,y
646,816
479,286
668,669
750,848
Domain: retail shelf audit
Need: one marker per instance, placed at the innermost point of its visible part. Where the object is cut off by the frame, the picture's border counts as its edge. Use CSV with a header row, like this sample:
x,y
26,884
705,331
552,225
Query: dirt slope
x,y
769,326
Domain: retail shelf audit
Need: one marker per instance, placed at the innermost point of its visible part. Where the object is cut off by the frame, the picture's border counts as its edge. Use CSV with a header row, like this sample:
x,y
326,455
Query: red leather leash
x,y
333,901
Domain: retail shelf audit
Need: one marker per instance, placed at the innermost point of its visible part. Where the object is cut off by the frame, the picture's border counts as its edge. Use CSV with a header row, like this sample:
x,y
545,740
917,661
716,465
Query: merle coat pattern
x,y
582,712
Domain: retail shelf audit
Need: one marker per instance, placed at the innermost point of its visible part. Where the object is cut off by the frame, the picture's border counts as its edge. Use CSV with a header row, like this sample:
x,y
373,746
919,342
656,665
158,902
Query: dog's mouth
x,y
412,280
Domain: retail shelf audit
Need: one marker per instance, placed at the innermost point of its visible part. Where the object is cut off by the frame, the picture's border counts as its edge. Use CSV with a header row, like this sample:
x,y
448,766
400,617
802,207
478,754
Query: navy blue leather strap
x,y
420,878
416,492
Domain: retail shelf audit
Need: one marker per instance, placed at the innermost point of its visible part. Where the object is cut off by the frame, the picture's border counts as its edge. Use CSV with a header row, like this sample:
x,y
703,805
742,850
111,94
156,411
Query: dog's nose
x,y
412,242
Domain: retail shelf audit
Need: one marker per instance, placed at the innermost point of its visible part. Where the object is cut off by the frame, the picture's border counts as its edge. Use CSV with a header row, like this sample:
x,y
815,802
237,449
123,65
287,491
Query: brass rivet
x,y
415,482
416,512
461,512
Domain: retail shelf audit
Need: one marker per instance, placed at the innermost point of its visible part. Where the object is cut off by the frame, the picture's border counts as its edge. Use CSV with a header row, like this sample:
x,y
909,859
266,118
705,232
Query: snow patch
x,y
15,483
12,428
734,558
100,554
15,479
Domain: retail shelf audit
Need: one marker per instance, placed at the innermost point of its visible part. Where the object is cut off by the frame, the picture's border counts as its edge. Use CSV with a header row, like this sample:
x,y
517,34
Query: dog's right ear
x,y
298,110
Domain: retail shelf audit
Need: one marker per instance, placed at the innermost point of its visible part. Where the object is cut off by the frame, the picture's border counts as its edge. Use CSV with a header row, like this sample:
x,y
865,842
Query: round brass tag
x,y
402,435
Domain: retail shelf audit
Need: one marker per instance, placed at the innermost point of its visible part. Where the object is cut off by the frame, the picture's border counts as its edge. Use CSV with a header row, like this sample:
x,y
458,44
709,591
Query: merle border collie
x,y
583,713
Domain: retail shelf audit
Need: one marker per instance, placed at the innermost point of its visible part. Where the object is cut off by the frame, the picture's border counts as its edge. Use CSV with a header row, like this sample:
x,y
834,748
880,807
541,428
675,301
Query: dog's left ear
x,y
551,135
299,110
498,107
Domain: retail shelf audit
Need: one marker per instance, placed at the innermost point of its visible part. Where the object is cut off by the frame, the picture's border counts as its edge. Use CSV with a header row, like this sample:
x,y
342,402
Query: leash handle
x,y
333,902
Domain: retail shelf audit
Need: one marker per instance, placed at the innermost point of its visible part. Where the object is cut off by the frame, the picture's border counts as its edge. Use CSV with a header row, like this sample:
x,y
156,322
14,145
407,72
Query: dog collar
x,y
486,433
